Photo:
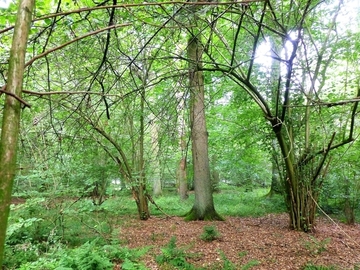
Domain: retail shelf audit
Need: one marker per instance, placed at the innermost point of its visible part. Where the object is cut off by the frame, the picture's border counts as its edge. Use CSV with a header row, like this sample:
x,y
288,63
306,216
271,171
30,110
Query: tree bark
x,y
181,170
156,175
182,179
140,190
276,175
203,208
12,113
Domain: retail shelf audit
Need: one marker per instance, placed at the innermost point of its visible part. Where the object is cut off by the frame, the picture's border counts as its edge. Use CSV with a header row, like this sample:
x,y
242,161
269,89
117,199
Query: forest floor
x,y
264,242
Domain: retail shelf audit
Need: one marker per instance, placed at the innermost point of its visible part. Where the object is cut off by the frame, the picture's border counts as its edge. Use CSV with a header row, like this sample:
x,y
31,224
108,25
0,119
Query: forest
x,y
179,134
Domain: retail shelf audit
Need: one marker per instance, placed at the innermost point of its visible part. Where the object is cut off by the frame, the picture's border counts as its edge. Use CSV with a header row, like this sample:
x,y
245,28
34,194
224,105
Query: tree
x,y
304,59
182,170
203,208
11,113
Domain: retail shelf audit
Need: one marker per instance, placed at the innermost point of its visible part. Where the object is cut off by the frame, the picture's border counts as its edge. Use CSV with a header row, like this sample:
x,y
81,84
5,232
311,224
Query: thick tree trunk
x,y
203,208
11,115
142,203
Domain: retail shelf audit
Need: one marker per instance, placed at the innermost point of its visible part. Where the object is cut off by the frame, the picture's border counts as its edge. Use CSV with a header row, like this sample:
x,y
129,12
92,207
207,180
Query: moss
x,y
209,215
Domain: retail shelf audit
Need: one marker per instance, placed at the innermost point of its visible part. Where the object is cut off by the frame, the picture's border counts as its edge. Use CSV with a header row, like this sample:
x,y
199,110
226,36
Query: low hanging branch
x,y
3,90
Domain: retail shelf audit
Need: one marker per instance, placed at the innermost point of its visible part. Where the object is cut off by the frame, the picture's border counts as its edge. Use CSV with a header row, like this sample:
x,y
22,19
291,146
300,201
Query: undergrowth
x,y
57,232
174,257
210,233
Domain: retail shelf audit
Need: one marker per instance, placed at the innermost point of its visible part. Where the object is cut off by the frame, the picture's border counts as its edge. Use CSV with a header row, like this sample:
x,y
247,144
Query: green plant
x,y
210,233
173,256
318,267
17,255
250,264
242,254
128,257
87,257
94,256
227,264
315,246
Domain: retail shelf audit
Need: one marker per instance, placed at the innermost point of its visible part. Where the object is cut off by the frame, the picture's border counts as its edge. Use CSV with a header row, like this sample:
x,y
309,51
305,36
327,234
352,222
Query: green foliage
x,y
17,255
316,246
89,256
234,201
210,233
318,267
173,256
226,264
250,264
37,227
128,257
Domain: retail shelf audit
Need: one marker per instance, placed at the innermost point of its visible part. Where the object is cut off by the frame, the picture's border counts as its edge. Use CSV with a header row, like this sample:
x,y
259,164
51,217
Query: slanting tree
x,y
11,113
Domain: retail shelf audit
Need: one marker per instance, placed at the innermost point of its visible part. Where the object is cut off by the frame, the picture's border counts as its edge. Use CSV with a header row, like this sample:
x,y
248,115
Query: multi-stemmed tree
x,y
290,88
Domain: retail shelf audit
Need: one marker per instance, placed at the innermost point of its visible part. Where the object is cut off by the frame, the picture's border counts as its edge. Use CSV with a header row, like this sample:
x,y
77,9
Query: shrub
x,y
210,233
173,256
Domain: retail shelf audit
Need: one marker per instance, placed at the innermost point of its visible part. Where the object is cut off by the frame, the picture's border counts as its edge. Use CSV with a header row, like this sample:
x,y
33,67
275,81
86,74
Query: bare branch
x,y
74,40
3,90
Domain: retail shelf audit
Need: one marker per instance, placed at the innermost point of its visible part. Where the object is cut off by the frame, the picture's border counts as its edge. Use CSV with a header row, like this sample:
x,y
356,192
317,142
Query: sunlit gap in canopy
x,y
5,3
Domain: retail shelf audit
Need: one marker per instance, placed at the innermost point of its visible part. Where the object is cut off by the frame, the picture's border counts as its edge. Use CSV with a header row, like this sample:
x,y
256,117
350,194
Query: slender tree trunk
x,y
215,176
203,208
181,171
156,175
182,179
275,187
11,115
276,175
348,205
140,190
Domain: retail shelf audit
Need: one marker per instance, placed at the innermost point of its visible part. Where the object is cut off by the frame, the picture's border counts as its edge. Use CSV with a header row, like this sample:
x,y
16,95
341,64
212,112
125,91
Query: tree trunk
x,y
302,184
276,186
11,114
203,208
215,176
140,191
156,175
181,170
348,205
